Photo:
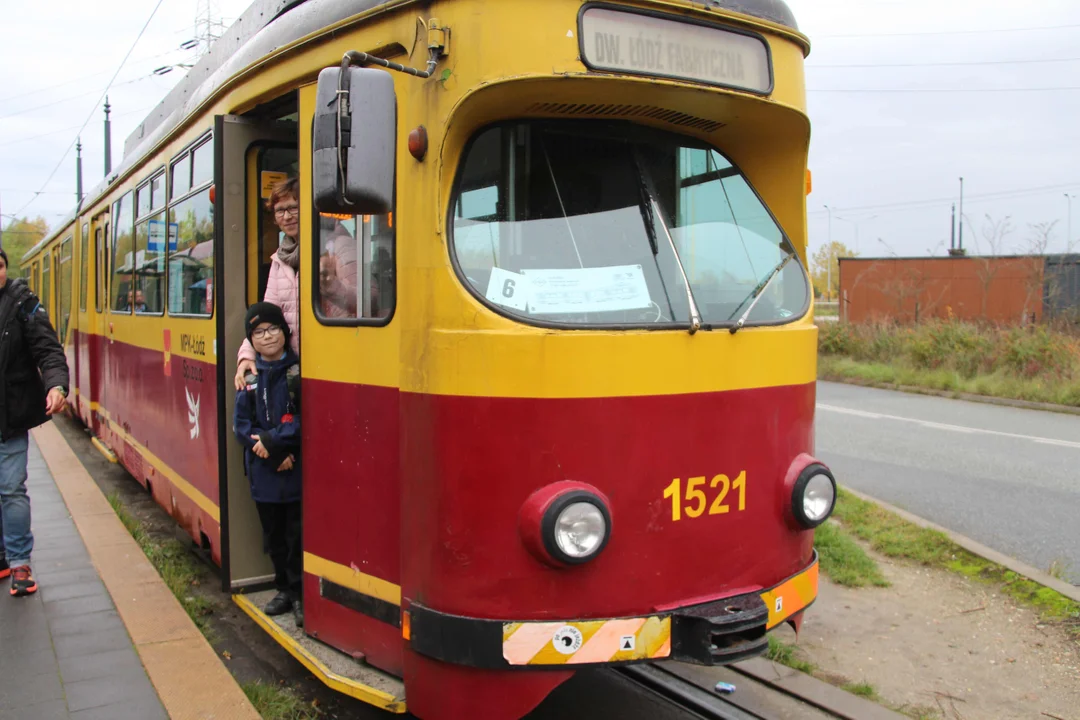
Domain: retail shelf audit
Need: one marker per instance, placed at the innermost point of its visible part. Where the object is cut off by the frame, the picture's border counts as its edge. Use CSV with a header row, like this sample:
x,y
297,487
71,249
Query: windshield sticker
x,y
508,289
620,287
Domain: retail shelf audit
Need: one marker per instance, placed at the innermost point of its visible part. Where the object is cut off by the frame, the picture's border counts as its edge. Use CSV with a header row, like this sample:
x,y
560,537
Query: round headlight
x,y
580,530
814,496
576,527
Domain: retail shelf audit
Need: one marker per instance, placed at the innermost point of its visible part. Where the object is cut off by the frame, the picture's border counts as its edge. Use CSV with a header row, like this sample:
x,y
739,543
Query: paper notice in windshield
x,y
508,289
583,290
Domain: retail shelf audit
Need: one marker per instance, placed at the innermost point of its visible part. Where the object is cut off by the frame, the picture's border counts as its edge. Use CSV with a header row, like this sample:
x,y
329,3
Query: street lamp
x,y
1068,233
856,223
828,259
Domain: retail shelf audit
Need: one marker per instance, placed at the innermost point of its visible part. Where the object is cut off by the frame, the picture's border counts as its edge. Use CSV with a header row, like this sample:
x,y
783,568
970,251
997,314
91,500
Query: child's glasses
x,y
272,331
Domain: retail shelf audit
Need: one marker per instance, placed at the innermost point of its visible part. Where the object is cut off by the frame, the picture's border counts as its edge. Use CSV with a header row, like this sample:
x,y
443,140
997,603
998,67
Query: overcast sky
x,y
905,97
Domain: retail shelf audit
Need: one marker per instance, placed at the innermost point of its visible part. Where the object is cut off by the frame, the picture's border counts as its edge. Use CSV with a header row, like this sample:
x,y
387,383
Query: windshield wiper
x,y
757,292
650,213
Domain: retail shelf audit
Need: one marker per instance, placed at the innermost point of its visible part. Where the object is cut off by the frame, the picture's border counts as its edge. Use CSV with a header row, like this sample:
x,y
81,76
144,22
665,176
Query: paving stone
x,y
92,622
110,690
49,710
141,709
30,690
99,665
66,591
78,606
90,642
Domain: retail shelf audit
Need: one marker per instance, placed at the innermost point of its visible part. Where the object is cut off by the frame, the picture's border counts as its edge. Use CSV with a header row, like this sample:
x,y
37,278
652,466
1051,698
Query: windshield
x,y
605,224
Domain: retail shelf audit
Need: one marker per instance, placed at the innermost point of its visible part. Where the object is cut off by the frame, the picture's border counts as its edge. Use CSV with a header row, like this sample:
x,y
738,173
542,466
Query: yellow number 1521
x,y
695,500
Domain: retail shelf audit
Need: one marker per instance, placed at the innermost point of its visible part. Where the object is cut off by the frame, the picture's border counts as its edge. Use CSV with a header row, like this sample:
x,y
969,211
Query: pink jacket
x,y
282,289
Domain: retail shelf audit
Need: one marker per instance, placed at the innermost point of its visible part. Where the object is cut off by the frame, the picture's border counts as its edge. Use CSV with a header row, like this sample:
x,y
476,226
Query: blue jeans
x,y
18,541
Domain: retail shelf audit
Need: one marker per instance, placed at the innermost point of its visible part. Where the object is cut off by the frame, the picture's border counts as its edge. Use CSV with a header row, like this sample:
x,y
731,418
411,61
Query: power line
x,y
947,64
913,204
73,97
93,110
944,90
19,141
949,32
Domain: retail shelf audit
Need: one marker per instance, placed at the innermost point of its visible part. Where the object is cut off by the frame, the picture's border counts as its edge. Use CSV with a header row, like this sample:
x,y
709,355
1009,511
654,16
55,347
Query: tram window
x,y
84,265
63,317
202,170
123,256
356,268
157,192
142,201
191,264
149,270
46,282
180,182
599,223
99,269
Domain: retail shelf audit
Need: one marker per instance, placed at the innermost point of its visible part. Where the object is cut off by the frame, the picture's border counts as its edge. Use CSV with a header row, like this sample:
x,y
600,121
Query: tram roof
x,y
270,24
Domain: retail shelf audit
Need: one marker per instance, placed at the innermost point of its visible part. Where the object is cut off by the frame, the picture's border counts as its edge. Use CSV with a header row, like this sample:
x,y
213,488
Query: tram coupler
x,y
720,633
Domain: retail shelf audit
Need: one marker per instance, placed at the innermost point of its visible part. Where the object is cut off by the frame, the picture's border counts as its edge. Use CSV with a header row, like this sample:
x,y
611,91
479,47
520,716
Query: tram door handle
x,y
110,333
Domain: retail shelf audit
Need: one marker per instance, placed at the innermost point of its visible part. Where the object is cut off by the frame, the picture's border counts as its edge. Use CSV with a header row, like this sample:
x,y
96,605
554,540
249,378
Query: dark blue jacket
x,y
270,408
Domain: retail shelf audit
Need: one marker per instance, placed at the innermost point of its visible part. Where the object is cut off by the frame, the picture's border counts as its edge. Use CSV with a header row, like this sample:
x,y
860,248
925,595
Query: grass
x,y
1031,363
278,702
862,689
895,537
180,571
843,560
785,654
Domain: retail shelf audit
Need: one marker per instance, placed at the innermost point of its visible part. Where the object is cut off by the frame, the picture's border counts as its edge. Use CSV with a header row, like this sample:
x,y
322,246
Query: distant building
x,y
1018,289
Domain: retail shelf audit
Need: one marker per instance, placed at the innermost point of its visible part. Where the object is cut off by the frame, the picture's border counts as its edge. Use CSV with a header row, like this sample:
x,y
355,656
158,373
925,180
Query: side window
x,y
46,282
99,264
191,265
181,177
149,267
84,265
63,318
355,279
123,255
150,240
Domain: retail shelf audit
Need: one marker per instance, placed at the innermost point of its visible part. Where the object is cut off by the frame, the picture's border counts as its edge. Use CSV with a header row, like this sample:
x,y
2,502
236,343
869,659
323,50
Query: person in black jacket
x,y
31,360
266,421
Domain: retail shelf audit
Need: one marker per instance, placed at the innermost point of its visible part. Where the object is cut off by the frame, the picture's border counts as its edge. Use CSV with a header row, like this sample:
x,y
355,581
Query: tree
x,y
18,237
819,267
994,233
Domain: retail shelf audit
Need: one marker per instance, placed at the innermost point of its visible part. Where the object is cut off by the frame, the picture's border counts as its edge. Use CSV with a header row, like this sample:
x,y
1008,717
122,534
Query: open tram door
x,y
250,153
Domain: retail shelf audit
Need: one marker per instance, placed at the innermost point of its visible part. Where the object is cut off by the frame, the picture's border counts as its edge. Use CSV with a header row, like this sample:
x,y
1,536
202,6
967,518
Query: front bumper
x,y
715,633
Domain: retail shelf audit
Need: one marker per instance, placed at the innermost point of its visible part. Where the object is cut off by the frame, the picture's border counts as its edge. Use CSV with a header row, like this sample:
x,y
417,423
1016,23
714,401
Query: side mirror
x,y
355,142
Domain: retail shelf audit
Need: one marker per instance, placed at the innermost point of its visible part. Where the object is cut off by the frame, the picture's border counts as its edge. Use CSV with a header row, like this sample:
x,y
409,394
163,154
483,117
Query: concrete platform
x,y
103,637
64,651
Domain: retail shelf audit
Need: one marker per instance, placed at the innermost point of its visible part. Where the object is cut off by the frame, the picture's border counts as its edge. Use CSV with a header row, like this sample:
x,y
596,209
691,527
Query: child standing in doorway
x,y
267,423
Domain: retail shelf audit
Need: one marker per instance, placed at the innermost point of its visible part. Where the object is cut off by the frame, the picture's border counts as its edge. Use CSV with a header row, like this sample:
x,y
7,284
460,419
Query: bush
x,y
951,351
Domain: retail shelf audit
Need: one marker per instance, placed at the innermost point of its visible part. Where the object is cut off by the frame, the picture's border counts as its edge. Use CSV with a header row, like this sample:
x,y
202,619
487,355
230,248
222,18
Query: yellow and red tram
x,y
568,420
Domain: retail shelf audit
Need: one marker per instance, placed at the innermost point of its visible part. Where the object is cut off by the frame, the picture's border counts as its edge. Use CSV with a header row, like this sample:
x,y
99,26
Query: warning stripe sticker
x,y
589,641
791,596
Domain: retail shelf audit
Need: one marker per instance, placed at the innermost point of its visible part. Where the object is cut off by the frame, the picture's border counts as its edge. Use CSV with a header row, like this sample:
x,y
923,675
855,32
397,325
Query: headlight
x,y
580,529
814,496
576,527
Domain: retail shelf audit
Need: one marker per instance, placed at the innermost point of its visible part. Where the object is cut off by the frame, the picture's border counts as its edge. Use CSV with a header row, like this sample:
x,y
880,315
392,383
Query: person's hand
x,y
259,449
286,464
243,368
54,402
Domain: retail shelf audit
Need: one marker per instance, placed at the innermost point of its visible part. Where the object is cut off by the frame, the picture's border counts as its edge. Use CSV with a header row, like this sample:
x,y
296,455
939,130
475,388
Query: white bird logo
x,y
193,413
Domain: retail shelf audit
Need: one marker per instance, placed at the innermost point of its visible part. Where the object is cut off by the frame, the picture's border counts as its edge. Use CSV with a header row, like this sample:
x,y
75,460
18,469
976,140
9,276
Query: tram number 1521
x,y
695,501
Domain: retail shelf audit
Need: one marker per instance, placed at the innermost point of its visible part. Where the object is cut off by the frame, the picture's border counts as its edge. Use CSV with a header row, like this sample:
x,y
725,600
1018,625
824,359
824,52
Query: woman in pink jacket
x,y
283,285
337,276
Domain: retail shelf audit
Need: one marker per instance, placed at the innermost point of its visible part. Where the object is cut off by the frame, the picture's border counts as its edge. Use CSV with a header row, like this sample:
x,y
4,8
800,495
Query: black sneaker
x,y
22,582
4,569
298,613
280,605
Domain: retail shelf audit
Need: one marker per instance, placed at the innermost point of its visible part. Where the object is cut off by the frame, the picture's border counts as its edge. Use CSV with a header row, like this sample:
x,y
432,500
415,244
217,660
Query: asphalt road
x,y
1006,477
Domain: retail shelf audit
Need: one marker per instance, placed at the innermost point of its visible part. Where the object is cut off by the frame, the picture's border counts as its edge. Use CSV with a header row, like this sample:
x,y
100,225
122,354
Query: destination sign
x,y
646,45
